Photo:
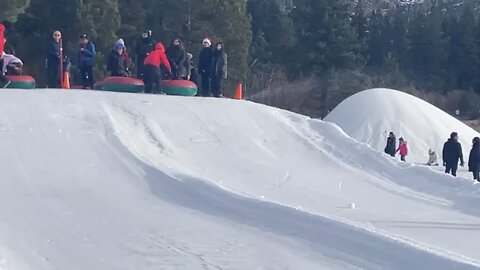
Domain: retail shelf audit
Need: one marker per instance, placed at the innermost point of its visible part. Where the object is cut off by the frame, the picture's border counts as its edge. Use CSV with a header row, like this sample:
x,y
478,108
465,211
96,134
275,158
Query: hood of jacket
x,y
160,47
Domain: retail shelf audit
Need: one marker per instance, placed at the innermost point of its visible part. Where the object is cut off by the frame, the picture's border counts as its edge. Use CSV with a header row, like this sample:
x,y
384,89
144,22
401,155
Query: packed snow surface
x,y
111,181
369,117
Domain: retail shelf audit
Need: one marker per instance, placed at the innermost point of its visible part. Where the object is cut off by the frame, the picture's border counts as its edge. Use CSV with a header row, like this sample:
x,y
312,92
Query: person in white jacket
x,y
432,158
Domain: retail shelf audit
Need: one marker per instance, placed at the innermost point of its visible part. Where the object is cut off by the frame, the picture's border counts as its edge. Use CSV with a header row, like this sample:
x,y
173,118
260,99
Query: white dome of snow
x,y
370,115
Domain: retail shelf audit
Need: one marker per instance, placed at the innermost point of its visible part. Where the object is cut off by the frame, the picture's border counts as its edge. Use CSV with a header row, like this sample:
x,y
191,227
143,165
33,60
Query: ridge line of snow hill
x,y
158,160
154,182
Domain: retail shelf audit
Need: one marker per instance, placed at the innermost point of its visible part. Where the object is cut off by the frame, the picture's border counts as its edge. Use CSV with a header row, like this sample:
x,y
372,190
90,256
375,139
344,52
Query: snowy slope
x,y
94,180
370,115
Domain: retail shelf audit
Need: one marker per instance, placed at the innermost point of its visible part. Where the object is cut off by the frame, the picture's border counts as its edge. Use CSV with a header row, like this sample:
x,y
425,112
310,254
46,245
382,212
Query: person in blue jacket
x,y
86,61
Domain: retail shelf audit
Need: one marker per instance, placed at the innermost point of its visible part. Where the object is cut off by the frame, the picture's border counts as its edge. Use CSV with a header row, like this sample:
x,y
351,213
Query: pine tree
x,y
272,30
464,53
427,50
10,9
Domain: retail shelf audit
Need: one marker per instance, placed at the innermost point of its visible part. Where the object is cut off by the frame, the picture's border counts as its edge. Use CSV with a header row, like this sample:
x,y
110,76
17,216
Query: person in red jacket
x,y
151,72
4,82
402,148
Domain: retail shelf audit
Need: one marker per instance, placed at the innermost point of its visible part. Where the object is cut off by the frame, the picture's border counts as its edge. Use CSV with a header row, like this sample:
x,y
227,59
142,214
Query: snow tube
x,y
179,87
21,82
121,84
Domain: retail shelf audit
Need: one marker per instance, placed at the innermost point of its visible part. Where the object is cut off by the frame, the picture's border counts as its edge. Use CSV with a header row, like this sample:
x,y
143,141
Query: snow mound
x,y
370,115
116,181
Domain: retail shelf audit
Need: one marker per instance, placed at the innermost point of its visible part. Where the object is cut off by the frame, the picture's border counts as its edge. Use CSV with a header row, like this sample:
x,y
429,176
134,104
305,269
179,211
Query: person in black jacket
x,y
177,56
116,62
219,69
53,60
452,152
474,159
391,147
145,45
205,67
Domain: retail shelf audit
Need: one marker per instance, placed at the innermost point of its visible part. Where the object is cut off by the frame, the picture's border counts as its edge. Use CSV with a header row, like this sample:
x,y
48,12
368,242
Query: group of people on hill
x,y
9,63
154,63
452,154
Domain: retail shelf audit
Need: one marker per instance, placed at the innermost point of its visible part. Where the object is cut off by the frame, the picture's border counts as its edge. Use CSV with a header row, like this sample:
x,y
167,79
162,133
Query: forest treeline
x,y
303,55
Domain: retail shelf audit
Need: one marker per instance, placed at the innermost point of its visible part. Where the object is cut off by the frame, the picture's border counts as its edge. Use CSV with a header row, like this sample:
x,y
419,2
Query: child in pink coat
x,y
402,148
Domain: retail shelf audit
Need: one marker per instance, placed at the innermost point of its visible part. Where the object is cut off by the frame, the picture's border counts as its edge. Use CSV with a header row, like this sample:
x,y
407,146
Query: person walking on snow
x,y
205,67
86,61
219,70
152,76
145,45
4,82
452,152
402,148
474,159
391,145
177,56
432,158
53,60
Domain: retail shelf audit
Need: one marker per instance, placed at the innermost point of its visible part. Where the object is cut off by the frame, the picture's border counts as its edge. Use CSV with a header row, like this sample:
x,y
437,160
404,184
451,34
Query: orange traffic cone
x,y
66,80
239,93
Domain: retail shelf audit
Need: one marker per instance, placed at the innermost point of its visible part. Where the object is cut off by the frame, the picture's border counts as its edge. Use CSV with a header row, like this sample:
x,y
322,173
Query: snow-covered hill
x,y
370,115
94,180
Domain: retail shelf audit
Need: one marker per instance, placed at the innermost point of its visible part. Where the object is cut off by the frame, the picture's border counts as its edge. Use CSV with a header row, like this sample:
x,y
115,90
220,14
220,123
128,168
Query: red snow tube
x,y
21,82
179,87
120,84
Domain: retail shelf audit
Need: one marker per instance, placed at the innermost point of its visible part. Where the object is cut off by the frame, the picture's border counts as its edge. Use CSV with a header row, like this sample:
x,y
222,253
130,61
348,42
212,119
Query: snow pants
x,y
451,168
87,76
53,75
217,87
152,79
205,88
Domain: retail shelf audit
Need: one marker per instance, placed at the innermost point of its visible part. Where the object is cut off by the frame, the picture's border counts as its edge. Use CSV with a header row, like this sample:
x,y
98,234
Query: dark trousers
x,y
205,88
476,175
152,79
217,86
140,67
86,73
53,76
451,168
402,158
3,80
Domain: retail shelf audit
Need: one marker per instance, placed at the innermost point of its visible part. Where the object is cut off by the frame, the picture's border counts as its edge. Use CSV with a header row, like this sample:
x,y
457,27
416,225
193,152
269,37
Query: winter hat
x,y
453,135
401,139
476,140
207,40
120,41
118,46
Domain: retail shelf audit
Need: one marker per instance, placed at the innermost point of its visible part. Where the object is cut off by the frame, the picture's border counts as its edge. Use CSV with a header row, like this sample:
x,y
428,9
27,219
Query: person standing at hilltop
x,y
474,159
391,145
219,70
452,152
152,76
4,82
86,61
144,46
177,56
205,67
54,60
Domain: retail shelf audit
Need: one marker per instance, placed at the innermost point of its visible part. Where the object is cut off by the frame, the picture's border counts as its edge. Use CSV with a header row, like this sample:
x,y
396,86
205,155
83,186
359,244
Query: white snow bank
x,y
94,180
370,115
